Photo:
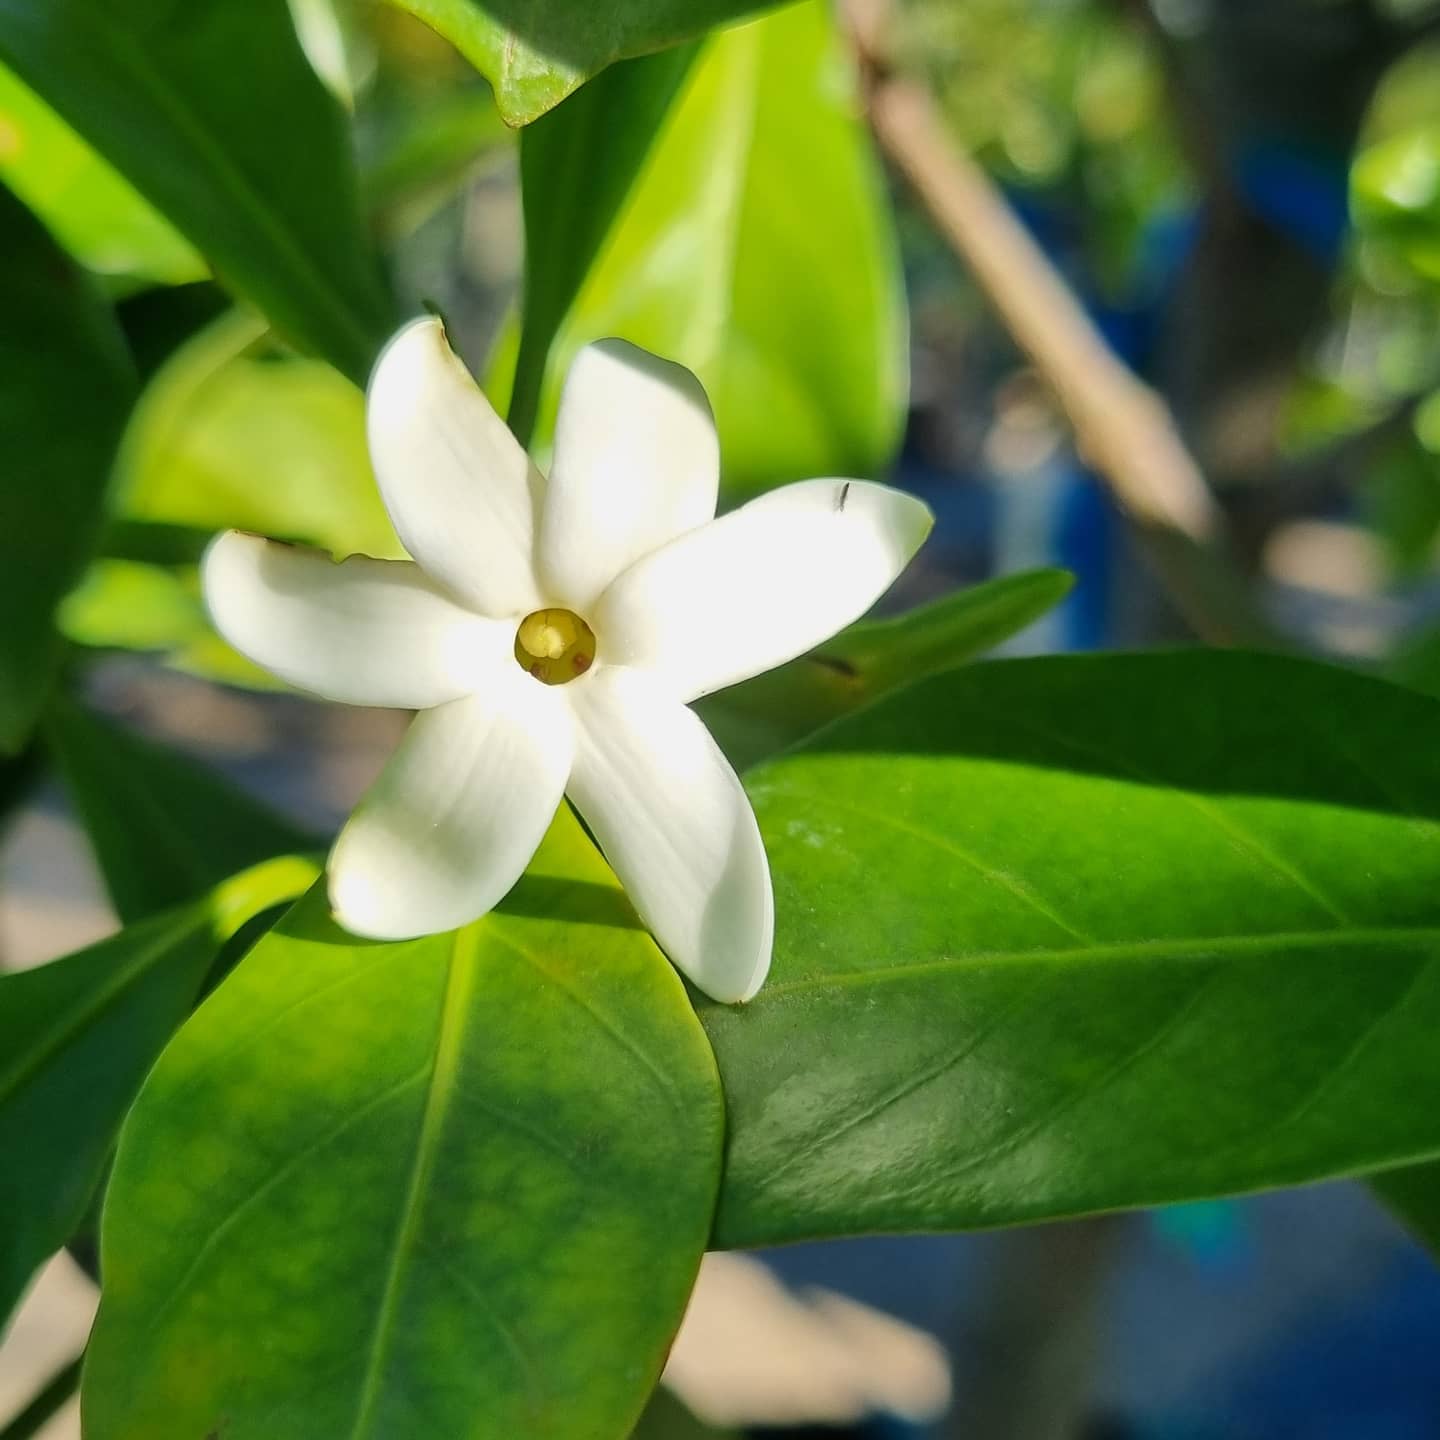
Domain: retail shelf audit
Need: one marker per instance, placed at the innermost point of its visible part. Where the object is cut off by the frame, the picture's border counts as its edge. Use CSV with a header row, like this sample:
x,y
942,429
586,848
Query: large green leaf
x,y
712,257
1095,932
76,1039
535,52
66,385
164,828
458,1186
213,113
91,209
759,717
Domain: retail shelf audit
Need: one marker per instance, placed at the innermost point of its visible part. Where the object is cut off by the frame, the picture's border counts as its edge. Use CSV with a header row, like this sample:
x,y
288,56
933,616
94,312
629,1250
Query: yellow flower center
x,y
555,646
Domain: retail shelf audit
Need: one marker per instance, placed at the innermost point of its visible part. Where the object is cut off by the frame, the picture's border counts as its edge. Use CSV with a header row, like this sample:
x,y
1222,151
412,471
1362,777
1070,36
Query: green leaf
x,y
221,411
66,385
121,605
535,53
1413,1193
76,1039
93,211
1395,195
164,828
458,1186
759,717
257,176
225,410
712,258
573,183
1097,932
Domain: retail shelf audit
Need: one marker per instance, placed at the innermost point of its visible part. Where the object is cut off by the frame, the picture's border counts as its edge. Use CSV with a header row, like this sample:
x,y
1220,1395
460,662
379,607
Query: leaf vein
x,y
1019,888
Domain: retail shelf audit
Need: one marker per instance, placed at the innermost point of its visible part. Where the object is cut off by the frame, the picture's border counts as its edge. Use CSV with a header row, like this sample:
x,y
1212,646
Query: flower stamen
x,y
554,646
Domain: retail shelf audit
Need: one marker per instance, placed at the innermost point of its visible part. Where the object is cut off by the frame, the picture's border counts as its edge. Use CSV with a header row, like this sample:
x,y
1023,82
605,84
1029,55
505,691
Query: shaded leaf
x,y
66,386
76,1039
462,1187
1413,1193
535,54
665,1418
577,165
759,717
258,178
712,258
1096,932
164,828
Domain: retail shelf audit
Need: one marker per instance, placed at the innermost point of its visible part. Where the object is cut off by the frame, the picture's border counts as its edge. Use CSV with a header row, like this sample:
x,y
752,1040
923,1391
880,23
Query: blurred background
x,y
1242,197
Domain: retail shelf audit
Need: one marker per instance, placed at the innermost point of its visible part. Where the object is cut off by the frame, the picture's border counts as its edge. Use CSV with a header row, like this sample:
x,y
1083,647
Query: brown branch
x,y
1121,426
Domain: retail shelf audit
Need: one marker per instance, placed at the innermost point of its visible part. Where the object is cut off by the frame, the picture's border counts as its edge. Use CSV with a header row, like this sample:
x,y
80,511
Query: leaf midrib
x,y
131,59
449,1040
1187,948
96,1003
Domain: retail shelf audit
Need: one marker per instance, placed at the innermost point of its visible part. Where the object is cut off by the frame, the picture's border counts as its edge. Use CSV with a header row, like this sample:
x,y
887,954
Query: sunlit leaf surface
x,y
1066,935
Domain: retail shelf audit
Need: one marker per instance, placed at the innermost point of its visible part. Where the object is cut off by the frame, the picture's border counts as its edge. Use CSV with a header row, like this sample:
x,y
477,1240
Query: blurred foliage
x,y
66,385
223,416
1063,101
92,210
225,413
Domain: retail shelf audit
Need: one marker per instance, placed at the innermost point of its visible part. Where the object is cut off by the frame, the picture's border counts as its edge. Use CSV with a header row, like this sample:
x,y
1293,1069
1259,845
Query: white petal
x,y
677,828
460,490
363,632
637,462
456,815
761,585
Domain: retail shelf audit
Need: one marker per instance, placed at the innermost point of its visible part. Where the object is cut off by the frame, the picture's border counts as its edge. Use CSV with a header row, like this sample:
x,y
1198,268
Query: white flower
x,y
552,634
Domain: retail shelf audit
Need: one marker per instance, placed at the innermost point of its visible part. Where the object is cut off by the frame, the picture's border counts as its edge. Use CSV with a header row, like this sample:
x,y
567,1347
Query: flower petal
x,y
363,632
761,585
637,462
460,490
677,828
456,815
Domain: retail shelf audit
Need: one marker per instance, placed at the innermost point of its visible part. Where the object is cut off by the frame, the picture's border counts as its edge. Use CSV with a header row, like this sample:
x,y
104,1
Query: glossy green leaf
x,y
76,1039
713,259
1413,1193
66,386
535,52
164,828
1094,932
759,717
458,1186
572,190
90,208
258,177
